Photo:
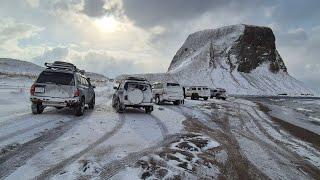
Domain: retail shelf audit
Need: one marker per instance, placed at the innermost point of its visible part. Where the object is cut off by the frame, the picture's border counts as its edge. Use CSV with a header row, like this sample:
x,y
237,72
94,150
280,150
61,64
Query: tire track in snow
x,y
163,128
54,170
11,161
115,166
22,131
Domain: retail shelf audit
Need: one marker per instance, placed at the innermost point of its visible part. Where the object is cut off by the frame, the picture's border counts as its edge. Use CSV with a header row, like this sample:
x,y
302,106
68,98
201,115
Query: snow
x,y
303,109
193,65
103,139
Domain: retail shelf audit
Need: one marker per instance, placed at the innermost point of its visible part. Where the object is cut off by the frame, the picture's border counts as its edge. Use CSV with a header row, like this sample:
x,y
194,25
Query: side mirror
x,y
115,87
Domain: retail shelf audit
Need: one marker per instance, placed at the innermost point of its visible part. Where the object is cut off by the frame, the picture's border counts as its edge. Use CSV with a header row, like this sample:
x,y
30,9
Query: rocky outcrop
x,y
241,58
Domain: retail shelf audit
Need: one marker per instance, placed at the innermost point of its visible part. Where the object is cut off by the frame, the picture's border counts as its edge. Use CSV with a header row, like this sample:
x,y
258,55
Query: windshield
x,y
56,78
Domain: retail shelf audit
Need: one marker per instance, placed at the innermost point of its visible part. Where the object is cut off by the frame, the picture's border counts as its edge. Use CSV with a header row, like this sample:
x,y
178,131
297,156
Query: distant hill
x,y
14,67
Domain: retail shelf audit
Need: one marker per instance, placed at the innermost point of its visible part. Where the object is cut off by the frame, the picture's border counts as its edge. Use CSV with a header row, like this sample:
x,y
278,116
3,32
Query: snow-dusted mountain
x,y
17,67
14,67
241,58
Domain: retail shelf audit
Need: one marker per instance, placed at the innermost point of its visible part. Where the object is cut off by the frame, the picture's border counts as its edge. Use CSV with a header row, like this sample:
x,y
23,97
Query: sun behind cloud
x,y
107,24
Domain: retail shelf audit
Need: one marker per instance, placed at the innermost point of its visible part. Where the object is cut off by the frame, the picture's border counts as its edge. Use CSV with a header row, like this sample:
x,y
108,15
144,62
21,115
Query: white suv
x,y
133,92
167,92
196,92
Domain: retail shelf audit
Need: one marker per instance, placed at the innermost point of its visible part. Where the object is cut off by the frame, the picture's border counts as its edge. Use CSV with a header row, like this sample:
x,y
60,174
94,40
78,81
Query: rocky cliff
x,y
241,58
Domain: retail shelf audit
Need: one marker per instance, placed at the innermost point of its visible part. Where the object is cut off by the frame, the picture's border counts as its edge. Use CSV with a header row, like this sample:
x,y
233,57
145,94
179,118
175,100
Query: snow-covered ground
x,y
214,139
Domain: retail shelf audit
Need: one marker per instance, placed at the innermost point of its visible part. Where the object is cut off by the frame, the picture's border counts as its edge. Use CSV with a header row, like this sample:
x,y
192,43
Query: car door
x,y
90,90
82,87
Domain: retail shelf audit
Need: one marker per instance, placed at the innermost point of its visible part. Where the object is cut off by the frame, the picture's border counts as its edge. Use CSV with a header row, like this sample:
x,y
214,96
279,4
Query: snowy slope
x,y
241,58
13,67
16,67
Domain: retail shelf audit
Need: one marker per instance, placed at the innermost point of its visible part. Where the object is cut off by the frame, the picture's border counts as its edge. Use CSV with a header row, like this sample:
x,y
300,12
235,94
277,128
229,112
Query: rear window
x,y
172,84
135,85
56,78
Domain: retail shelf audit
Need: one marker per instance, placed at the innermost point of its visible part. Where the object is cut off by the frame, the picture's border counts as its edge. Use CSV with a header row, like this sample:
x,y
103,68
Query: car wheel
x,y
92,103
148,109
37,108
118,106
176,103
79,109
194,96
157,100
205,98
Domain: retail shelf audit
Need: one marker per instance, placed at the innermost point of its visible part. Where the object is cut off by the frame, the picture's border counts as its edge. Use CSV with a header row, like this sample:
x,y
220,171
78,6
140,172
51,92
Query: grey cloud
x,y
50,55
94,8
296,12
11,30
148,13
103,63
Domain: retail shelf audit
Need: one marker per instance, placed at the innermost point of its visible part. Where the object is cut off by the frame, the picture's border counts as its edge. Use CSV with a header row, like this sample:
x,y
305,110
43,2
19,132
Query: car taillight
x,y
32,89
77,93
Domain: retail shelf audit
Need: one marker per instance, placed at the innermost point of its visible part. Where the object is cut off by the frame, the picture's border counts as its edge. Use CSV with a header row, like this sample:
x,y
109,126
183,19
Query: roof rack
x,y
63,66
136,78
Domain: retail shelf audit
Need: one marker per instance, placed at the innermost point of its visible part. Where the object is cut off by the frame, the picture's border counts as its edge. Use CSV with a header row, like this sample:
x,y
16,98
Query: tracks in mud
x,y
116,166
250,124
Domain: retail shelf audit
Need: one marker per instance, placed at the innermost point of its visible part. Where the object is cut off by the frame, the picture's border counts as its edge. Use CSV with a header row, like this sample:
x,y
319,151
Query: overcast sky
x,y
133,36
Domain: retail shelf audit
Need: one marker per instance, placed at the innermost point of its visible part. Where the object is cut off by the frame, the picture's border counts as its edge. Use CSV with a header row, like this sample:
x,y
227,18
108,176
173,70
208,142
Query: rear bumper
x,y
138,105
172,98
56,102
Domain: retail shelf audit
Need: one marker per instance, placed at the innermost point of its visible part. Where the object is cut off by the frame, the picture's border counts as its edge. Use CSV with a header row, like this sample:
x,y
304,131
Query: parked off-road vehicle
x,y
196,92
167,92
61,85
133,92
218,93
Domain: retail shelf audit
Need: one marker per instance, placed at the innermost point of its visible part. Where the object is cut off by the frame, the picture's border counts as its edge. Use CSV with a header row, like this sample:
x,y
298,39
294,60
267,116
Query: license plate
x,y
39,89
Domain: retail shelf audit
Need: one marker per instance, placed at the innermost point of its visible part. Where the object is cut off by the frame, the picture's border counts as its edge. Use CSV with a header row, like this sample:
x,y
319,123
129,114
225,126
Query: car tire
x,y
205,98
37,108
148,109
92,102
157,100
194,96
79,109
176,103
118,106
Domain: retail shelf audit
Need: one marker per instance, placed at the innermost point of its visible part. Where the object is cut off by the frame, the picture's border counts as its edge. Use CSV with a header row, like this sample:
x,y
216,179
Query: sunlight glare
x,y
107,24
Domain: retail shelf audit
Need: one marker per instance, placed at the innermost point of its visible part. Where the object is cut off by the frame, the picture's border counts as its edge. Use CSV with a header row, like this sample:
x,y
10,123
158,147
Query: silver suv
x,y
61,85
167,92
133,92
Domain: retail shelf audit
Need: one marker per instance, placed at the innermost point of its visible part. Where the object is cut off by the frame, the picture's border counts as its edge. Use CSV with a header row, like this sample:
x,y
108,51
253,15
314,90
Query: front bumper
x,y
56,102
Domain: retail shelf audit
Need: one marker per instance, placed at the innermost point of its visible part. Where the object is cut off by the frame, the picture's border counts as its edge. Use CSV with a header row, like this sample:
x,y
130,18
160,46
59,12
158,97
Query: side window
x,y
78,79
194,88
85,82
199,88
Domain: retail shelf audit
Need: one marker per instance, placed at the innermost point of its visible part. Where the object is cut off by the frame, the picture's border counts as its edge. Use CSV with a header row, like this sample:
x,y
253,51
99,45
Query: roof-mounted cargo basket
x,y
60,65
136,78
